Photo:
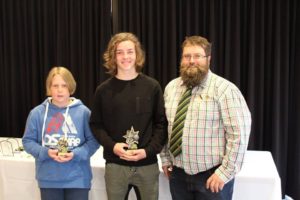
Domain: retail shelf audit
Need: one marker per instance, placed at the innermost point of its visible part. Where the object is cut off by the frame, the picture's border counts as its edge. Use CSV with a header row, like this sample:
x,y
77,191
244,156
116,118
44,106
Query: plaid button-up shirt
x,y
216,129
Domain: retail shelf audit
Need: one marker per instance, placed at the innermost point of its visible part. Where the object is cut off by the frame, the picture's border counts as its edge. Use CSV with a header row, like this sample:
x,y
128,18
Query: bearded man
x,y
209,125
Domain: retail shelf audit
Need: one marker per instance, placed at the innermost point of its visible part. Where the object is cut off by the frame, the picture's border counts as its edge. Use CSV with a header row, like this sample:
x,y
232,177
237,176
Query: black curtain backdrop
x,y
255,45
154,22
36,35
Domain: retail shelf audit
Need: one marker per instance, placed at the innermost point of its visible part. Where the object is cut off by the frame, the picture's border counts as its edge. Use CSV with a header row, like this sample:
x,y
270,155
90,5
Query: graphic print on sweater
x,y
58,126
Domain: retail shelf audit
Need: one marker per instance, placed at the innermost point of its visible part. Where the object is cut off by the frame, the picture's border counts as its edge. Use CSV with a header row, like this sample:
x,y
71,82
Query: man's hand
x,y
167,170
214,183
134,155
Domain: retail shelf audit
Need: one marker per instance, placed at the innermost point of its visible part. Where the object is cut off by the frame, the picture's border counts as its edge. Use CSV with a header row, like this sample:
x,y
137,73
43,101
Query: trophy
x,y
132,138
62,146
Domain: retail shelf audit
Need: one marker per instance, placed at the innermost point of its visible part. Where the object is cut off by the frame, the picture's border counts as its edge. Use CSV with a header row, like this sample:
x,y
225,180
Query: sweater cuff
x,y
43,155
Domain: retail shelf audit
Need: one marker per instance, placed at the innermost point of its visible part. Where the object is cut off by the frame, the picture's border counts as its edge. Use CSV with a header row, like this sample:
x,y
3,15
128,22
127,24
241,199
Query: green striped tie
x,y
177,129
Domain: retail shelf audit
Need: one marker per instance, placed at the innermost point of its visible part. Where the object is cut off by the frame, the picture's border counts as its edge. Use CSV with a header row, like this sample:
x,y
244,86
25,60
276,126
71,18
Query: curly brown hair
x,y
109,55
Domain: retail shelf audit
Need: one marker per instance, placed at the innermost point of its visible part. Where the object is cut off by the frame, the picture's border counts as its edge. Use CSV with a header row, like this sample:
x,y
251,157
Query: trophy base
x,y
63,153
133,147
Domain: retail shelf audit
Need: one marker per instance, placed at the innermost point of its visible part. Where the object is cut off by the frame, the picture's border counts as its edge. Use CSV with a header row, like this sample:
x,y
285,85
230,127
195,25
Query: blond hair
x,y
66,76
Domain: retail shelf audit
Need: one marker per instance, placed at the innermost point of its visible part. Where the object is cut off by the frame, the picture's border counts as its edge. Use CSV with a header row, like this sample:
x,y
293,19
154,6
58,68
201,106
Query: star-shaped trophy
x,y
132,138
62,146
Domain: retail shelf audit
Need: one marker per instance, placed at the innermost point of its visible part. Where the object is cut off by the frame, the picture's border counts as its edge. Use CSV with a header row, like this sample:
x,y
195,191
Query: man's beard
x,y
193,75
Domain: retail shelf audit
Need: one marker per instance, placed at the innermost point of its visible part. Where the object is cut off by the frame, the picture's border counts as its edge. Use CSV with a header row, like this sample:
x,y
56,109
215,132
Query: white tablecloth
x,y
17,176
258,179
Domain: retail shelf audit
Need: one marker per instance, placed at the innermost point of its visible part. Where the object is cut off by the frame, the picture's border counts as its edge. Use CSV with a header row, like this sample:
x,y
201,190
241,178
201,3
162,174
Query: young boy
x,y
129,107
63,171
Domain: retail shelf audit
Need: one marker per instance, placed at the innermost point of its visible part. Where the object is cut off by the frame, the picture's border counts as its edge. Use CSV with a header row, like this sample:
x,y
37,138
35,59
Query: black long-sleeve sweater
x,y
120,104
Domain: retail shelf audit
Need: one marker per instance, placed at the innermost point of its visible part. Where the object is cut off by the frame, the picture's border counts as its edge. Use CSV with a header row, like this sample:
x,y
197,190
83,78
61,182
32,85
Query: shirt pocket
x,y
205,112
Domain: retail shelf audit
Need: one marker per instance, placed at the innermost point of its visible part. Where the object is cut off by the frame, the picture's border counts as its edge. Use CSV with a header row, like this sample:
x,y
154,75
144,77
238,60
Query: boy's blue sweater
x,y
51,174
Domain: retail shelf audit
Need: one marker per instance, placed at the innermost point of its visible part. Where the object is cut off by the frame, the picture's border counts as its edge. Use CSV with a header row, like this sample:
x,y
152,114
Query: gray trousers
x,y
118,177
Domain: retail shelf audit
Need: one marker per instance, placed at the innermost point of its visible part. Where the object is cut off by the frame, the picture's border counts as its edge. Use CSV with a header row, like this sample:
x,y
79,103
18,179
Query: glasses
x,y
194,56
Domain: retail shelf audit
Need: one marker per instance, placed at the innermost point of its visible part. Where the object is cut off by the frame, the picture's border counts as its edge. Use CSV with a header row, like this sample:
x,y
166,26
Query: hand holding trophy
x,y
133,153
62,146
132,138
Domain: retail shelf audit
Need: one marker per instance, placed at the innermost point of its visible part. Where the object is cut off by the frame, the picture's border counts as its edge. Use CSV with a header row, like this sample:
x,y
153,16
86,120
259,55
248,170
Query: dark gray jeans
x,y
64,194
119,177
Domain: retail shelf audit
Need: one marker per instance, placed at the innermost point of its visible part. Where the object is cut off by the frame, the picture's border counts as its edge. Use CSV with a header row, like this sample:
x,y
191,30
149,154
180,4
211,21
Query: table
x,y
257,180
17,176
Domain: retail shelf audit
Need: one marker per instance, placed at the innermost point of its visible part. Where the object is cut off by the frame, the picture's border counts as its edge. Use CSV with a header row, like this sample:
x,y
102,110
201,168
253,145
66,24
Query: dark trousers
x,y
119,179
193,187
64,194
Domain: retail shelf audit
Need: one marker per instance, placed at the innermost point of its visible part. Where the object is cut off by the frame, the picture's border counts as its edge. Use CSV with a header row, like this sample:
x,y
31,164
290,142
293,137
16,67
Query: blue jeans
x,y
192,187
64,193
